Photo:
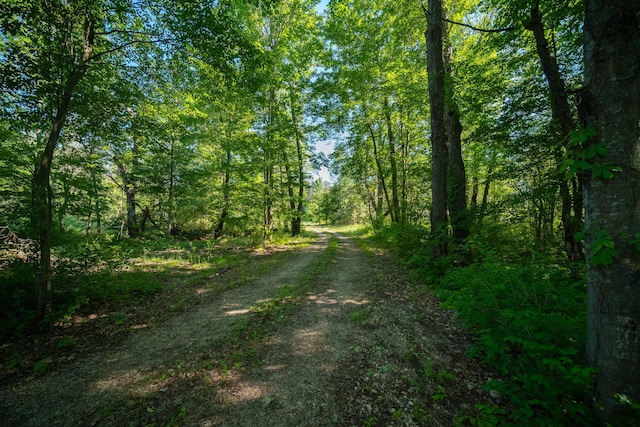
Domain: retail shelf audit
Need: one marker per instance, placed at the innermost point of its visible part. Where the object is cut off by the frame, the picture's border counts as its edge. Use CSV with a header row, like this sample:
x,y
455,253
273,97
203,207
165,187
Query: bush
x,y
530,323
17,299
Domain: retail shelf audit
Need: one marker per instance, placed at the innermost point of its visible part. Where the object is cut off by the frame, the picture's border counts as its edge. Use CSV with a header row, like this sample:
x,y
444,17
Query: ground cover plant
x,y
528,316
107,287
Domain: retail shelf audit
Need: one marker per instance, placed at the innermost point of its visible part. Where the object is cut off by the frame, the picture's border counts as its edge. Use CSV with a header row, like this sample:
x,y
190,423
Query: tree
x,y
609,106
373,89
435,68
49,49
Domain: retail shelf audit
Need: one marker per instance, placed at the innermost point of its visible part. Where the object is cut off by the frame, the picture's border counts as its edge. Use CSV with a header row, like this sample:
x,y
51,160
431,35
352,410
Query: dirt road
x,y
363,347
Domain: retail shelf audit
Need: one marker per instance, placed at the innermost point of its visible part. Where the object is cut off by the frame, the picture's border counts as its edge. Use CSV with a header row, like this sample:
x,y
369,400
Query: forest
x,y
491,146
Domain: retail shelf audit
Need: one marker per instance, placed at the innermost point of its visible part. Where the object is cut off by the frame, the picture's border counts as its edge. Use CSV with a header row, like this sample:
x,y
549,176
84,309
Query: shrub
x,y
529,319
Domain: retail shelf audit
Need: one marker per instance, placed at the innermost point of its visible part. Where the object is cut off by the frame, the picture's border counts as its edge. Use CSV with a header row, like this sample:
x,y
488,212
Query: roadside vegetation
x,y
526,312
106,288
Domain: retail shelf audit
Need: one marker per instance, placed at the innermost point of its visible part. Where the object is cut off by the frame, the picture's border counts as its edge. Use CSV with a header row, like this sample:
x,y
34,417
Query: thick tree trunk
x,y
456,174
561,110
436,73
610,104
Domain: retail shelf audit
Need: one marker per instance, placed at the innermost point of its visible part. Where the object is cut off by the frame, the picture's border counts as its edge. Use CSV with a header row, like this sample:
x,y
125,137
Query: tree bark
x,y
217,233
456,174
395,208
570,192
267,226
172,173
381,180
129,188
96,198
41,192
296,222
610,104
436,73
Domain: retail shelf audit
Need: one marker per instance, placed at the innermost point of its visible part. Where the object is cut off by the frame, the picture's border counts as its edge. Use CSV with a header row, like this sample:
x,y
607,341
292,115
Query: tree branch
x,y
106,33
471,27
122,46
482,30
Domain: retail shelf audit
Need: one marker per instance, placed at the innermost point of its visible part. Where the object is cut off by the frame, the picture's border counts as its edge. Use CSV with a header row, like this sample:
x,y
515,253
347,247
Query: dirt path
x,y
360,350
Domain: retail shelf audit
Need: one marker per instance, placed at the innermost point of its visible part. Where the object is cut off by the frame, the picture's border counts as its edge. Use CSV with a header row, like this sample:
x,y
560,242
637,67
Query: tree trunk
x,y
395,207
267,225
436,72
129,189
296,222
96,198
404,145
561,113
475,187
217,233
41,191
485,195
172,172
381,180
456,175
610,104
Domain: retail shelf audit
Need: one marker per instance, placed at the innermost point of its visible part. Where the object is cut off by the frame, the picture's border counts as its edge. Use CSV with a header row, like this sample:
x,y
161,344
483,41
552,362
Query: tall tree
x,y
436,71
570,191
609,105
456,174
48,50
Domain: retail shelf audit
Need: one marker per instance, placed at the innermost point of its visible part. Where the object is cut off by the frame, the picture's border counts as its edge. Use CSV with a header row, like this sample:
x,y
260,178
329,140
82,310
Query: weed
x,y
119,319
40,367
360,315
440,395
65,342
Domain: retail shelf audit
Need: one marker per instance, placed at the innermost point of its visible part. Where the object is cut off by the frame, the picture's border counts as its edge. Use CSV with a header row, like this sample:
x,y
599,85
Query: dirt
x,y
364,346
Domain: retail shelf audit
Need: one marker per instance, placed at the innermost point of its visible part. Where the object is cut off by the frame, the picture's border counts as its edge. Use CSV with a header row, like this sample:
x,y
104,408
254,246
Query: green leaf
x,y
583,165
600,149
590,152
604,257
266,401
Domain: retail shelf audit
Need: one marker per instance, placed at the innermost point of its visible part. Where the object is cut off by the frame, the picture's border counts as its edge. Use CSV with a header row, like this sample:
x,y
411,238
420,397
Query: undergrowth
x,y
98,271
528,316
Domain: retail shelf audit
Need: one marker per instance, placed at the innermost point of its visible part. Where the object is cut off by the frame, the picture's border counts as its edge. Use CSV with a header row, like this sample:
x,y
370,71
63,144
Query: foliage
x,y
529,319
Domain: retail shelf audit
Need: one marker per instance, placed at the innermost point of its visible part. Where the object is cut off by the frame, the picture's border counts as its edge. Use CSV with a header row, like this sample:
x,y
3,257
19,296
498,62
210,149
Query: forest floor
x,y
330,336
